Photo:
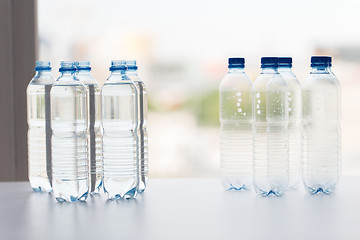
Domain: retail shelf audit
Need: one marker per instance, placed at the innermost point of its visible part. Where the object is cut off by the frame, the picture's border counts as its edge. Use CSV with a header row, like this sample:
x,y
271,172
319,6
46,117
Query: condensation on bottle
x,y
235,95
295,121
321,123
271,141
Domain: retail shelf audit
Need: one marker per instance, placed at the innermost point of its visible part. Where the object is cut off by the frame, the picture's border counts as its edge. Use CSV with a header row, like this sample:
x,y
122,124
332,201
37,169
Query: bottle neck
x,y
284,69
269,70
119,73
83,71
236,69
42,72
320,70
131,71
67,73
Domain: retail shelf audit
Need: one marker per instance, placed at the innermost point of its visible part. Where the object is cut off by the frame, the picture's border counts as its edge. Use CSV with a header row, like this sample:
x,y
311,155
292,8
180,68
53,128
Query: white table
x,y
182,209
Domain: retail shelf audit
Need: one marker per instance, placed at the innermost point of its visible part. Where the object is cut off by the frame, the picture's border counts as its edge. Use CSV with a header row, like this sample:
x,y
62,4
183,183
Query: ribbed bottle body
x,y
120,150
94,136
69,140
39,134
236,155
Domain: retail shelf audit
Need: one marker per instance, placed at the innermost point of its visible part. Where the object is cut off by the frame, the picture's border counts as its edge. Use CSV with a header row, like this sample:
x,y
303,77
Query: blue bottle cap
x,y
67,66
321,61
285,62
236,62
269,62
131,64
83,65
117,65
42,65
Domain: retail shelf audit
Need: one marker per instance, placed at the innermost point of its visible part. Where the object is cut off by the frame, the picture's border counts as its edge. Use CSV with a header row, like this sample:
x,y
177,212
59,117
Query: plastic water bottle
x,y
94,125
271,141
119,118
69,137
236,127
321,106
39,133
131,72
295,121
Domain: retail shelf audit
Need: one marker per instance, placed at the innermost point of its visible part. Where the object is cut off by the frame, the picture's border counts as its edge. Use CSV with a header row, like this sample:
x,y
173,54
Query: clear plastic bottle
x,y
119,118
236,127
132,73
321,119
94,125
295,121
271,140
69,136
39,132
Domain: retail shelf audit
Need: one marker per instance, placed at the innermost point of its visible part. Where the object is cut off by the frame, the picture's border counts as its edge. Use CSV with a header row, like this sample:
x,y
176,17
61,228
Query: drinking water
x,y
94,124
131,72
236,127
321,106
295,121
39,132
271,141
119,118
69,136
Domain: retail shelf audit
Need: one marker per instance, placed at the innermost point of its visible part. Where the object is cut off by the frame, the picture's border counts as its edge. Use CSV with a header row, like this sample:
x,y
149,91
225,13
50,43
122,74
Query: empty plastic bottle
x,y
39,132
236,127
131,72
69,136
321,106
94,125
271,141
295,121
119,118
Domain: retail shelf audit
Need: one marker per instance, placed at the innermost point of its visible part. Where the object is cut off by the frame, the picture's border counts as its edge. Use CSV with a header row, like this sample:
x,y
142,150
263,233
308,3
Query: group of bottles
x,y
81,138
276,131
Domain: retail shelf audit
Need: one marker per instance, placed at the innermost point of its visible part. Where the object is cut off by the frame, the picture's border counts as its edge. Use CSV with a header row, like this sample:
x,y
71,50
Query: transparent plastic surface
x,y
294,127
142,128
322,153
69,139
236,130
39,130
120,155
271,156
95,129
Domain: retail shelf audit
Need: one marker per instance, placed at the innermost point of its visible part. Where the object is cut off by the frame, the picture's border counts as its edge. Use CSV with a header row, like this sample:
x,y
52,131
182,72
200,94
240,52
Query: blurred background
x,y
182,49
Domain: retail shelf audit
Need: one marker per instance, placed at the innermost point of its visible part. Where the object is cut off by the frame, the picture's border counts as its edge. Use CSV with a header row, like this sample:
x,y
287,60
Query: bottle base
x,y
71,198
319,190
237,184
237,188
128,195
41,189
269,193
40,184
142,187
142,184
96,190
